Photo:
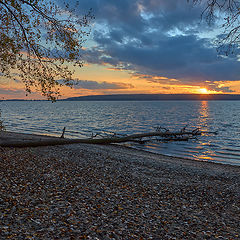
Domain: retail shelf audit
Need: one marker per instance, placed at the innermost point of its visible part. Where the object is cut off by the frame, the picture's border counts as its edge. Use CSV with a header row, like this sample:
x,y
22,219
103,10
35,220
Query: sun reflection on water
x,y
204,115
204,124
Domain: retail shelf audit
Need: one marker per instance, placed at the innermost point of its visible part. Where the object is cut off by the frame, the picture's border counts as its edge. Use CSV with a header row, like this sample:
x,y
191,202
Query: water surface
x,y
80,118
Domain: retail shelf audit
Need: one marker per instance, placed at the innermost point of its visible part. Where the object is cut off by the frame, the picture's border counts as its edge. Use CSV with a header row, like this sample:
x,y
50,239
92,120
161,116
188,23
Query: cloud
x,y
183,57
222,89
94,85
156,37
14,92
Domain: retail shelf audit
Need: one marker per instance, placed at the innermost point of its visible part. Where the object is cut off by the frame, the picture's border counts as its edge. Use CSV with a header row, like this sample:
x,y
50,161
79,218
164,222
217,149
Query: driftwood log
x,y
181,135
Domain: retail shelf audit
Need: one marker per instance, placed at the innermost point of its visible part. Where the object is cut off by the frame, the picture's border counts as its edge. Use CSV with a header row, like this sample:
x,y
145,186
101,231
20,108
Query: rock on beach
x,y
82,191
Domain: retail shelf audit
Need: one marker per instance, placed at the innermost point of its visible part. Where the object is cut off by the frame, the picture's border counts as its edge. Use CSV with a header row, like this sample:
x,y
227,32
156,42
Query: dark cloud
x,y
157,37
86,84
94,85
136,16
12,92
222,89
184,57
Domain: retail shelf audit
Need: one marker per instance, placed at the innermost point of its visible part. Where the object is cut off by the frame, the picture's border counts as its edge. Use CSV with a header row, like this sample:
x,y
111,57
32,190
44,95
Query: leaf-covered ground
x,y
109,192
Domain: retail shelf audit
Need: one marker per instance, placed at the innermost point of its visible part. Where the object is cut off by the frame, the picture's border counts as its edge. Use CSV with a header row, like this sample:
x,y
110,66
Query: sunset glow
x,y
203,91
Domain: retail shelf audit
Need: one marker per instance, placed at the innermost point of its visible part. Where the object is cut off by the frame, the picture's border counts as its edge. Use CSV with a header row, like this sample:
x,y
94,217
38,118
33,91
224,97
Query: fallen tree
x,y
160,134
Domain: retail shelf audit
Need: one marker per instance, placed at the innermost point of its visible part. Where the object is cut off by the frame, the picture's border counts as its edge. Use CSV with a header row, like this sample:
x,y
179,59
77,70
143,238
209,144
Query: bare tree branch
x,y
229,11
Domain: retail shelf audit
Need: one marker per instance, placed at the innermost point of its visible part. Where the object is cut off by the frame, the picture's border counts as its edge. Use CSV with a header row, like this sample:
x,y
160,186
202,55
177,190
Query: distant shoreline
x,y
149,97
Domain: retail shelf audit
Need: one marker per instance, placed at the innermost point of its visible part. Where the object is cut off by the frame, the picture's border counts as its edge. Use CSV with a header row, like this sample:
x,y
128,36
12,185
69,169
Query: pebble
x,y
109,192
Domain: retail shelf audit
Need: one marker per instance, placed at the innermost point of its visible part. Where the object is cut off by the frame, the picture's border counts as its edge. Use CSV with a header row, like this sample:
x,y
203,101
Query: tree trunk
x,y
34,142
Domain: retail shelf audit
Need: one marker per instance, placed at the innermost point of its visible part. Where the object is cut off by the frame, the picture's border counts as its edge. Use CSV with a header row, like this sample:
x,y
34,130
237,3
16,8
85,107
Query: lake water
x,y
81,118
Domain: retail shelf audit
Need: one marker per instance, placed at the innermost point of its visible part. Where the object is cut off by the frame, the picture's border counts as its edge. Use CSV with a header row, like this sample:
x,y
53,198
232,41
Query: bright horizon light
x,y
203,91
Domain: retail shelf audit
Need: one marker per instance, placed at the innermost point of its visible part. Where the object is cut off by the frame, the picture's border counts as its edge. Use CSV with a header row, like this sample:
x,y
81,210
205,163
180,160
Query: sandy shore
x,y
111,192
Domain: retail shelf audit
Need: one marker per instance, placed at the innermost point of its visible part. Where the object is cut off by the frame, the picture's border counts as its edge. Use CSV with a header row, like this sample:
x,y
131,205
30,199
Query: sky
x,y
147,46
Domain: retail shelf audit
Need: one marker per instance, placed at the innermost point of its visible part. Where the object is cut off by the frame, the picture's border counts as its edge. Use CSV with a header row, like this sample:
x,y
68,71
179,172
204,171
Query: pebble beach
x,y
82,191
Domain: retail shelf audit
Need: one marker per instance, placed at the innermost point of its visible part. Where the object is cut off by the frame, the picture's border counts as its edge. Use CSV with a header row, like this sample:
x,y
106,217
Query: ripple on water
x,y
132,117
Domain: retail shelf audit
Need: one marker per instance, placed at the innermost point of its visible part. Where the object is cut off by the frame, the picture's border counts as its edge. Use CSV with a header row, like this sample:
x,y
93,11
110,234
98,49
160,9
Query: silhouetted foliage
x,y
37,41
